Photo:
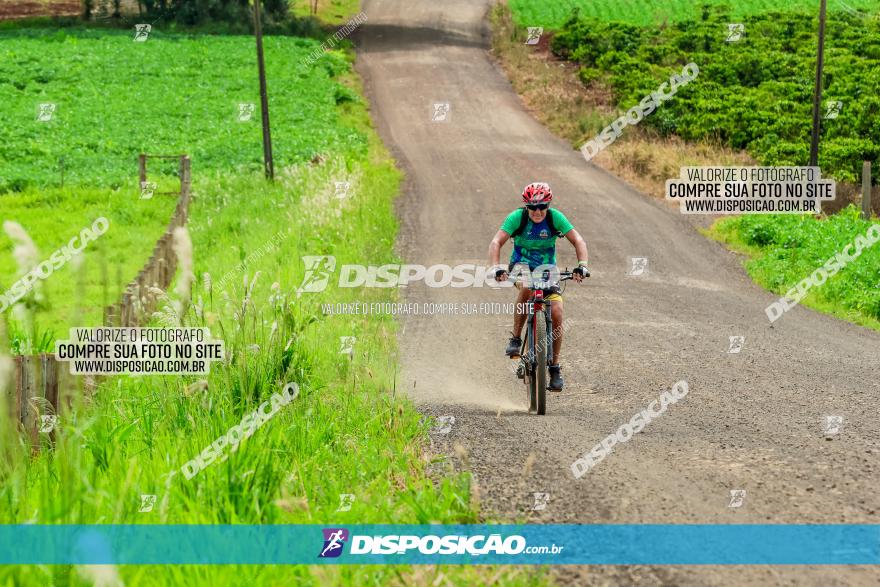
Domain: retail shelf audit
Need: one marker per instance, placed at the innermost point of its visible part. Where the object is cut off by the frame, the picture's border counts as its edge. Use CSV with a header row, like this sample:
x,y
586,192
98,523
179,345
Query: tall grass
x,y
76,293
348,431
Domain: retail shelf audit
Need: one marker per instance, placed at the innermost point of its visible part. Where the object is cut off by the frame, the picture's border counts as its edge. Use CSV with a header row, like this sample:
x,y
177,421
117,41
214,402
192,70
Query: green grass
x,y
784,249
332,12
77,292
171,94
116,98
349,431
553,13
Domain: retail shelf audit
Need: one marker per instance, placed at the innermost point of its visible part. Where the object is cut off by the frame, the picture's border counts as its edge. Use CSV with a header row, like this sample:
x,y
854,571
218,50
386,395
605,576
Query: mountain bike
x,y
534,358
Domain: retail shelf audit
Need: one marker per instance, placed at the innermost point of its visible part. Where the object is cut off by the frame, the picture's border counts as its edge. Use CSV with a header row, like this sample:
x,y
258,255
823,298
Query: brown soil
x,y
11,9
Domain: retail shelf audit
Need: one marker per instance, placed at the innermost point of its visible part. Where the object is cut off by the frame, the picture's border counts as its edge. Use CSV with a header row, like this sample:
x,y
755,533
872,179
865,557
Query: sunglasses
x,y
537,206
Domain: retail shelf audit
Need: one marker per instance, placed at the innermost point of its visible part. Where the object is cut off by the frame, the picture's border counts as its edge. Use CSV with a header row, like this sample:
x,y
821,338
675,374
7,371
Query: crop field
x,y
752,94
114,98
554,13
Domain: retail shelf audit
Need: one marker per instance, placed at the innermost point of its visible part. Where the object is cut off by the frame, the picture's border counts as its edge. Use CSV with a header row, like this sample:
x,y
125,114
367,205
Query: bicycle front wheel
x,y
540,374
526,357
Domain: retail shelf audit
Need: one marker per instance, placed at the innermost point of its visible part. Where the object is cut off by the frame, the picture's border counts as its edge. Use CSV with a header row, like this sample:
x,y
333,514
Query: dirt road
x,y
752,420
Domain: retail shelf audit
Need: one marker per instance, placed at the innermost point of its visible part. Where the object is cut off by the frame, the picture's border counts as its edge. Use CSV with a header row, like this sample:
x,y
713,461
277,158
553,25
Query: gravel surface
x,y
752,420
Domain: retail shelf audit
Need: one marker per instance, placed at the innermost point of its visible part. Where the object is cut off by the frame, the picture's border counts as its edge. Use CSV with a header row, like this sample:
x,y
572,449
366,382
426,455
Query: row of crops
x,y
554,13
112,98
752,93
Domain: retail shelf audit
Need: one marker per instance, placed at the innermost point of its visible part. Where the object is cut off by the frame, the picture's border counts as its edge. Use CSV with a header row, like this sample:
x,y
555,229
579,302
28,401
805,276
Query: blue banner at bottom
x,y
617,544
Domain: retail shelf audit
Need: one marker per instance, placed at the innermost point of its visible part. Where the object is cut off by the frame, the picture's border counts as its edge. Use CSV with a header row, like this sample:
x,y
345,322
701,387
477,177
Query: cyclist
x,y
534,229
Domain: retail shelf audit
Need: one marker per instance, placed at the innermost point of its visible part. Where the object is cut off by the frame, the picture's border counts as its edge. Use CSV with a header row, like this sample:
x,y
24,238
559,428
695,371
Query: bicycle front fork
x,y
528,352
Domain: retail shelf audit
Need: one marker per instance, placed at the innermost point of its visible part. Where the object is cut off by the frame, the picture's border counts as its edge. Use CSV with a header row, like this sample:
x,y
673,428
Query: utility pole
x,y
264,98
817,91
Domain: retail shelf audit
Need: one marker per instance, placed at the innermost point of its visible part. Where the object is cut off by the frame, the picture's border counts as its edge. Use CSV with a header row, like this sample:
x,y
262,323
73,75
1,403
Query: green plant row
x,y
754,93
554,13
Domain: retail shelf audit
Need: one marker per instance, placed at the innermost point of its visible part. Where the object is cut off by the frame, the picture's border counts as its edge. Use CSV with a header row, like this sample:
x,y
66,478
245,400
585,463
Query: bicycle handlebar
x,y
563,276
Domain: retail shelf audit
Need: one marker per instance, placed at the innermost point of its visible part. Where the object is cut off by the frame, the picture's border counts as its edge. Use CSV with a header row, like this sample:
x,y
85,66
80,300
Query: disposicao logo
x,y
319,269
334,541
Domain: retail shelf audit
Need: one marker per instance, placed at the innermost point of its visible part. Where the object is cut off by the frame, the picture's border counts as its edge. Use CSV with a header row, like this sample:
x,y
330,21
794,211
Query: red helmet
x,y
537,193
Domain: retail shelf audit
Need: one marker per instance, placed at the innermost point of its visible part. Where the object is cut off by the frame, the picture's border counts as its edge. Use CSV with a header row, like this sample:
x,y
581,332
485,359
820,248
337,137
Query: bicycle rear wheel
x,y
540,374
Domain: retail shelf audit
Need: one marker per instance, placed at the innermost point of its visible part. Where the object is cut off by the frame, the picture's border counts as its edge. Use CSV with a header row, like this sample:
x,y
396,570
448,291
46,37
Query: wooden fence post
x,y
180,173
137,302
50,378
866,190
20,382
26,390
41,376
186,183
49,367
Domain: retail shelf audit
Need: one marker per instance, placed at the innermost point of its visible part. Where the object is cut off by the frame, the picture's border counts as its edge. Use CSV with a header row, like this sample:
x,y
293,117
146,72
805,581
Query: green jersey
x,y
535,245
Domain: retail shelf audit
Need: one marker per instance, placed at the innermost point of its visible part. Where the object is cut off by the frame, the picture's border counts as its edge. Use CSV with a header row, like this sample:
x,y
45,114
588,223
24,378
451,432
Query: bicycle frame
x,y
536,354
534,351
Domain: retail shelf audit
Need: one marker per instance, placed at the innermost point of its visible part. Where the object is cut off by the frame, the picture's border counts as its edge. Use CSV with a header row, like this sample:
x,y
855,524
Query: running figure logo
x,y
832,425
142,32
534,35
832,109
342,189
737,497
246,112
147,189
444,424
318,270
46,112
346,345
334,540
345,501
147,503
735,32
639,266
47,423
736,344
541,501
440,112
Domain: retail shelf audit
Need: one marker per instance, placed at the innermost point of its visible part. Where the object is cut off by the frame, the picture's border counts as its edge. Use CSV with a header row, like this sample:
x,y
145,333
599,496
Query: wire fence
x,y
42,383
